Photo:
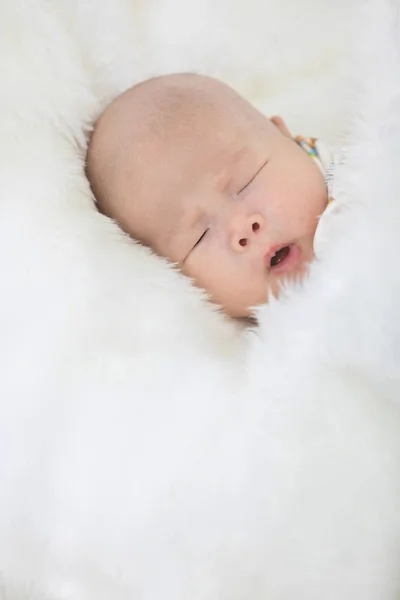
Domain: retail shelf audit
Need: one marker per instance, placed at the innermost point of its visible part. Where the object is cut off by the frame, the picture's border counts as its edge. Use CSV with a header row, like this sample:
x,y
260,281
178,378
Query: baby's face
x,y
234,202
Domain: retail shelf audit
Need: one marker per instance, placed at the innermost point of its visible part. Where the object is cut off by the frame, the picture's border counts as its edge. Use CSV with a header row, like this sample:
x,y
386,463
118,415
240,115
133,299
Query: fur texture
x,y
149,447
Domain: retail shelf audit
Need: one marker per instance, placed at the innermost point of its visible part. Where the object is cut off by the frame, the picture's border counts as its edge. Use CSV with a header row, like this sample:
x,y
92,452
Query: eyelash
x,y
247,184
200,238
253,178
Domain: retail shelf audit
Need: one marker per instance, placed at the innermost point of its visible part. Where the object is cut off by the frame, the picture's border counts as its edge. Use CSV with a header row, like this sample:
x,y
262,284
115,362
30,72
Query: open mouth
x,y
285,259
280,256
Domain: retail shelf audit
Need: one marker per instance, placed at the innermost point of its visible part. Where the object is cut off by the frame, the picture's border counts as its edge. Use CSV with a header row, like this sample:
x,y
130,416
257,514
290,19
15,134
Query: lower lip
x,y
288,263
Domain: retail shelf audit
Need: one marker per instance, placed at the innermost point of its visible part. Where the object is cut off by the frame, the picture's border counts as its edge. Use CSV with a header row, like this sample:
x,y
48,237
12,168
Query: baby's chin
x,y
236,311
246,310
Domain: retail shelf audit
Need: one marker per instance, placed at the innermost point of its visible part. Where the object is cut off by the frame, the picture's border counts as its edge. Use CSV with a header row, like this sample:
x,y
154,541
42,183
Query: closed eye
x,y
200,238
253,178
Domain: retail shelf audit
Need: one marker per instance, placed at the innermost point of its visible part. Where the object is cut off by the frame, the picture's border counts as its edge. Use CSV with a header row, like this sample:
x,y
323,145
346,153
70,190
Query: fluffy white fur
x,y
149,448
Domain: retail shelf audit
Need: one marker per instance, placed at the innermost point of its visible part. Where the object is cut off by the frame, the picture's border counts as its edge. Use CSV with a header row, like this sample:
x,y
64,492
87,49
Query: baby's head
x,y
191,169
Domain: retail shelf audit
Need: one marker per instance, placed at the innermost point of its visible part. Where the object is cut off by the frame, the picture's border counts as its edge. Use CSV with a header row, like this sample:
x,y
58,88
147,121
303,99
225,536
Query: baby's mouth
x,y
280,256
284,259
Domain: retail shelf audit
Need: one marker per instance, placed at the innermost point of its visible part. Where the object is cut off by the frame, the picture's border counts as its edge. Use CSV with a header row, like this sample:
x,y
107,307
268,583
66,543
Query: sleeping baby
x,y
189,168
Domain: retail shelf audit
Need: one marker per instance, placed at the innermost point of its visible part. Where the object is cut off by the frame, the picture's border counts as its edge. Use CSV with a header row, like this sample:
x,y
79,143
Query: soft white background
x,y
288,57
148,447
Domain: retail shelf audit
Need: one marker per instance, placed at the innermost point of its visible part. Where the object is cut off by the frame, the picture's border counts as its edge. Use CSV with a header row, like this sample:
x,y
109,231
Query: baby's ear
x,y
281,125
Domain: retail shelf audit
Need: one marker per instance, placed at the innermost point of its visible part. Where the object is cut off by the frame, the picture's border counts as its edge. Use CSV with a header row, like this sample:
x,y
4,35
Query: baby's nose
x,y
246,230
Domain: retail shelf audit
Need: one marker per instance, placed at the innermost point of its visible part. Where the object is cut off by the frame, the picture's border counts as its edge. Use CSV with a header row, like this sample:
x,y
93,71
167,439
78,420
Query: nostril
x,y
243,242
255,226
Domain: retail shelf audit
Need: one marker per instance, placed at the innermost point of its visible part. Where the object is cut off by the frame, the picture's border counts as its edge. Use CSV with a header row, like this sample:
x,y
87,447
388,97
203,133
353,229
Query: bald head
x,y
148,129
191,169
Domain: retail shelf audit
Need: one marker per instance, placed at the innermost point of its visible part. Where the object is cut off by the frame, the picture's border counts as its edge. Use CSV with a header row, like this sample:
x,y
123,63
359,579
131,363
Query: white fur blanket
x,y
148,448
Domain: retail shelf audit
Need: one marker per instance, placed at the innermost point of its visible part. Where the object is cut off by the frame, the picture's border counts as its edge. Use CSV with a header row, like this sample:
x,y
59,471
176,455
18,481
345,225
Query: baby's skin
x,y
189,168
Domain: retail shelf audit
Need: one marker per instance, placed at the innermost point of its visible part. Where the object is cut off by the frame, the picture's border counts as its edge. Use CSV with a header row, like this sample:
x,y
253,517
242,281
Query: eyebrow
x,y
253,178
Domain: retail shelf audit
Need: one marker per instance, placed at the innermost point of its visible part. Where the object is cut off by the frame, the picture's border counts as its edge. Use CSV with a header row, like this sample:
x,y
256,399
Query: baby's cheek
x,y
206,272
231,281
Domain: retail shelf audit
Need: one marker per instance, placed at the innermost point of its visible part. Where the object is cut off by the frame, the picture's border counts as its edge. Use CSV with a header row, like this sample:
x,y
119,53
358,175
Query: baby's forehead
x,y
172,134
184,105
